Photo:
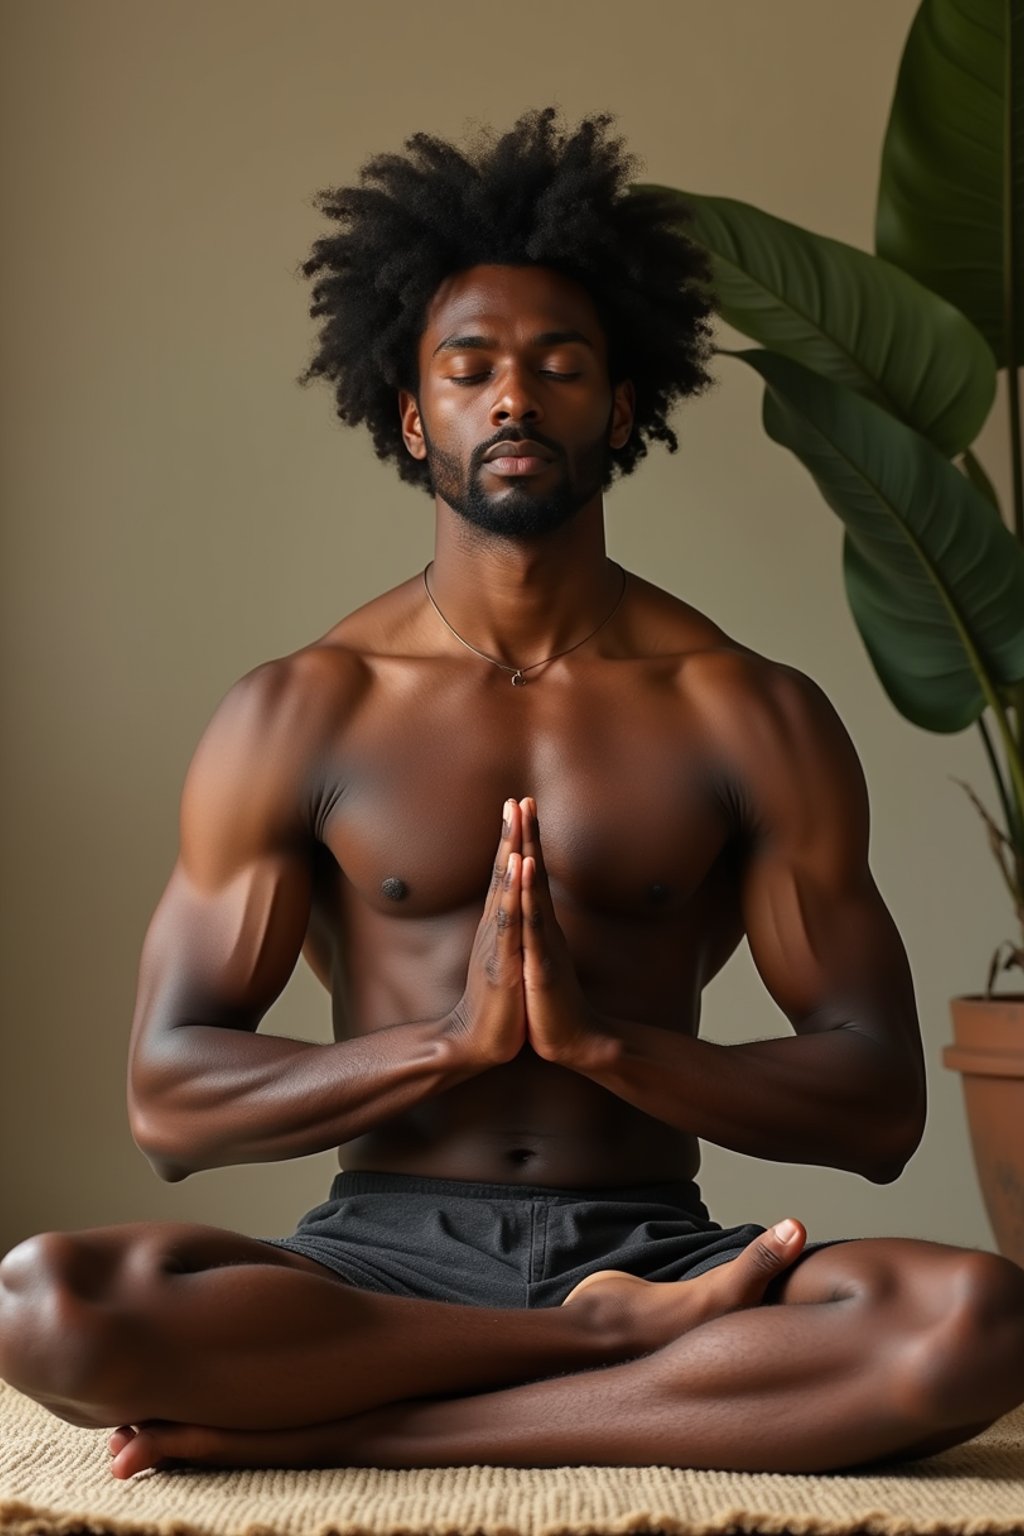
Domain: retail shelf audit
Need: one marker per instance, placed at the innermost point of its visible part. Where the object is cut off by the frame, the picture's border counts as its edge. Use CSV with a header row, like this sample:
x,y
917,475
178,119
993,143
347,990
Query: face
x,y
514,355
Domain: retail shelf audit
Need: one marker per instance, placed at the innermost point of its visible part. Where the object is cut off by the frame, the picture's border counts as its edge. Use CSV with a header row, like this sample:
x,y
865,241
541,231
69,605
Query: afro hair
x,y
534,195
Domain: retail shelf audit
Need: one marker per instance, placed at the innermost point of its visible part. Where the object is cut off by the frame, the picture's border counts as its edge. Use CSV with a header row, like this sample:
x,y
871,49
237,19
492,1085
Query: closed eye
x,y
474,378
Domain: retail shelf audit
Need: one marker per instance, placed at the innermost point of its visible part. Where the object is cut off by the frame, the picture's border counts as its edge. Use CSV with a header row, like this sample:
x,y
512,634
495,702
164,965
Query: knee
x,y
970,1362
58,1343
987,1309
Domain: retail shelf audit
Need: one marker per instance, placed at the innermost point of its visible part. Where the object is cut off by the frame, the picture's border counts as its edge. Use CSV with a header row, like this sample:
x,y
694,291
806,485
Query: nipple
x,y
394,889
659,893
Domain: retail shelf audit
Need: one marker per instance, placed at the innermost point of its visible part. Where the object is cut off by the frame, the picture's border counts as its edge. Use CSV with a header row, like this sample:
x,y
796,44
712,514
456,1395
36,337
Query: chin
x,y
529,523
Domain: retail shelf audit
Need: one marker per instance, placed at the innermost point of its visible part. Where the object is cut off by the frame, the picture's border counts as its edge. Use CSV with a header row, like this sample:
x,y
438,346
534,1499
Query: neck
x,y
521,600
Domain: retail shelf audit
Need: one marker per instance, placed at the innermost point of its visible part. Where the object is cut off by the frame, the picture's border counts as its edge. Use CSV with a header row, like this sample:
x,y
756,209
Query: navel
x,y
394,889
659,893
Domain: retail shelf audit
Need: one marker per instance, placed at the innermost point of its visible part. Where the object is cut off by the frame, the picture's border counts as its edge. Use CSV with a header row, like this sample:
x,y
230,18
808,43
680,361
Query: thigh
x,y
123,1261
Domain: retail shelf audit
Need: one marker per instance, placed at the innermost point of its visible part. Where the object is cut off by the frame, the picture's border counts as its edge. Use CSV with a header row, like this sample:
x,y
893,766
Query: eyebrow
x,y
481,343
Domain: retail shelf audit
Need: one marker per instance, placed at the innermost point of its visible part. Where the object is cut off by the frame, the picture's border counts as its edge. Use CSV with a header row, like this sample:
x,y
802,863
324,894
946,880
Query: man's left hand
x,y
561,1026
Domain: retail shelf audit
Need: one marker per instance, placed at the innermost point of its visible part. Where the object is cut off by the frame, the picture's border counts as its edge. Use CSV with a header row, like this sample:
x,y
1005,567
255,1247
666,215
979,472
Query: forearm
x,y
229,1096
836,1098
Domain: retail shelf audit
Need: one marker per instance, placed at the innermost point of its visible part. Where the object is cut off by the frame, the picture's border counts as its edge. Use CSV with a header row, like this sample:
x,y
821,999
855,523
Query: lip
x,y
519,465
521,450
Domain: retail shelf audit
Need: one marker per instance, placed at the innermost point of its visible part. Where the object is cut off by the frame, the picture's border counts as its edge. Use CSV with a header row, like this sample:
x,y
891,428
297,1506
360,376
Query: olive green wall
x,y
177,509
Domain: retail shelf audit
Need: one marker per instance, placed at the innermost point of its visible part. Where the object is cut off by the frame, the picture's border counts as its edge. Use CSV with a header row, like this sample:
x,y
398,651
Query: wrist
x,y
467,1049
590,1050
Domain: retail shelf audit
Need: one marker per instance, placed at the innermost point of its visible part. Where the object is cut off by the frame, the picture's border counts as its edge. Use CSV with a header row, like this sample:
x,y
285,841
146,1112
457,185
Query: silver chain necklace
x,y
518,673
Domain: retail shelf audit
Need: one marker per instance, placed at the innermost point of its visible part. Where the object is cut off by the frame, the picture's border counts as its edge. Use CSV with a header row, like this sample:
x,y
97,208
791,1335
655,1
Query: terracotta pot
x,y
988,1051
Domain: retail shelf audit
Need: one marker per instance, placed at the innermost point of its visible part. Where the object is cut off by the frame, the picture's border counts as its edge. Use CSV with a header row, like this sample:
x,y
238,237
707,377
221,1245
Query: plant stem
x,y
1013,34
1010,256
1013,818
1013,396
1013,753
1017,704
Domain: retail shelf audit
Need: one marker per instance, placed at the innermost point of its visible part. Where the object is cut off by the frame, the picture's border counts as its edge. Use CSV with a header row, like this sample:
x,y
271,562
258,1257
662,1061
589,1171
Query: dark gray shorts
x,y
508,1245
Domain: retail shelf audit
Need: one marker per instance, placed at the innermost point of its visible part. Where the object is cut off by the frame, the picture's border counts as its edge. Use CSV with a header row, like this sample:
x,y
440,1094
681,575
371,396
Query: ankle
x,y
612,1324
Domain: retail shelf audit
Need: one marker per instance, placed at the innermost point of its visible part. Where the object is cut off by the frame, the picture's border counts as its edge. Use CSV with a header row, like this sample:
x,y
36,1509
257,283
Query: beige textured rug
x,y
56,1479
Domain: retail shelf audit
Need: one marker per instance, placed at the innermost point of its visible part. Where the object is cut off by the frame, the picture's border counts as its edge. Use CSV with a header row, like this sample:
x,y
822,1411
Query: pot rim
x,y
983,997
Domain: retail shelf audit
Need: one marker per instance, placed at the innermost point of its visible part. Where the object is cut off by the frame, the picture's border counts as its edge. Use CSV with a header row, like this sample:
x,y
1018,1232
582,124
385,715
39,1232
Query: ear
x,y
623,414
412,426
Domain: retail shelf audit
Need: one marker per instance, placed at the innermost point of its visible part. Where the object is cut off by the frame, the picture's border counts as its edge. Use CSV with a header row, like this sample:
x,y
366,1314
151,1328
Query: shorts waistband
x,y
681,1193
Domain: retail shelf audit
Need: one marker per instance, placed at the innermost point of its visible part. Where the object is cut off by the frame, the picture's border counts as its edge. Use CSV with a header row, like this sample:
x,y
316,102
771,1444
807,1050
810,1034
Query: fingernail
x,y
786,1231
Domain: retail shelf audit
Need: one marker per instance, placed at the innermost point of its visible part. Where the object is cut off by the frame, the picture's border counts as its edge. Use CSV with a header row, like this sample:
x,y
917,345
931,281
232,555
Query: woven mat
x,y
56,1479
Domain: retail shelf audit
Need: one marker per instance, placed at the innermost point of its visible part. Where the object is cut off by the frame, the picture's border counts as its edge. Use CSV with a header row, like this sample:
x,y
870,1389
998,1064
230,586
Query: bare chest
x,y
632,806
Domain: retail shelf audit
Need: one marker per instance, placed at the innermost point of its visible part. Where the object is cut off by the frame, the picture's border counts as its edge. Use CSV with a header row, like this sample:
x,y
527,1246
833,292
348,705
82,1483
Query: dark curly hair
x,y
534,195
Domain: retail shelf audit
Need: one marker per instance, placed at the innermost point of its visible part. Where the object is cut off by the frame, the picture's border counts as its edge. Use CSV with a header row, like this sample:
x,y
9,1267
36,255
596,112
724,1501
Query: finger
x,y
508,921
531,846
533,917
536,953
511,839
531,831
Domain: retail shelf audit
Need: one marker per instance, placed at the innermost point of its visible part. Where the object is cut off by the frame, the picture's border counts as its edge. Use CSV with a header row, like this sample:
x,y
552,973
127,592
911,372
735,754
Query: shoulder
x,y
780,745
744,689
288,716
295,697
745,701
267,742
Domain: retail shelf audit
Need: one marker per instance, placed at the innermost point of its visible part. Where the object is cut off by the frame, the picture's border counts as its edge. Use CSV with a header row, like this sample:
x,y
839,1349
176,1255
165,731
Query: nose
x,y
515,398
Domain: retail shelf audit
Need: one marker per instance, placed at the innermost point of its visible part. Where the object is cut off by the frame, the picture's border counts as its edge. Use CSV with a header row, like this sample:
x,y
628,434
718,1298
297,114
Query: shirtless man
x,y
515,885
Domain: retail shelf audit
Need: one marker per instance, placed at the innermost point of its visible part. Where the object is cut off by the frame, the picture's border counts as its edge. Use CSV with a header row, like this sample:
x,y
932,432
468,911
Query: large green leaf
x,y
934,577
951,194
850,316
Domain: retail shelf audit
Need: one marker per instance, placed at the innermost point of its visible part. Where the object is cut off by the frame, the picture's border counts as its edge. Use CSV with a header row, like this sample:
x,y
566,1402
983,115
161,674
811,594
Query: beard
x,y
518,511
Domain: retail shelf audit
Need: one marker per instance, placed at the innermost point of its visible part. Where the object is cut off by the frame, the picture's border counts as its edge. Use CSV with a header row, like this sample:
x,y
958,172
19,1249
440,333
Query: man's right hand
x,y
488,1023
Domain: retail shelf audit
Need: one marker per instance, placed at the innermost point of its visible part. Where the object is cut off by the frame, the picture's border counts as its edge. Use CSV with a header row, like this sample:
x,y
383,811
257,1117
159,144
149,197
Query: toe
x,y
138,1454
120,1438
768,1254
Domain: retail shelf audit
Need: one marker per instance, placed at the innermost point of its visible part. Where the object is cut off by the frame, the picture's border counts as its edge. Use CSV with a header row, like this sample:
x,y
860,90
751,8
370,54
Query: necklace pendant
x,y
518,680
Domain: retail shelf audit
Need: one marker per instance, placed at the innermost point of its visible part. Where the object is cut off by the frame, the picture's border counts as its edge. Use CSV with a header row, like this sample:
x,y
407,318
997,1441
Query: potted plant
x,y
879,372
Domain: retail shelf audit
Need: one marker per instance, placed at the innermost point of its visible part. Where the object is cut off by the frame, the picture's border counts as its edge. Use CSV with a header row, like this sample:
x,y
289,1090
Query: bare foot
x,y
659,1311
164,1444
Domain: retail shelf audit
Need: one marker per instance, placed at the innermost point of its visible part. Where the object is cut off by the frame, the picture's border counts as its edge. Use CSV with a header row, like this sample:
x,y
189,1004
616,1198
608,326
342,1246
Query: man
x,y
516,813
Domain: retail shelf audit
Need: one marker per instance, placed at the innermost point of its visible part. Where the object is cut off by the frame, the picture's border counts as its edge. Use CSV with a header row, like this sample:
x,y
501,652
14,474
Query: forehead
x,y
509,303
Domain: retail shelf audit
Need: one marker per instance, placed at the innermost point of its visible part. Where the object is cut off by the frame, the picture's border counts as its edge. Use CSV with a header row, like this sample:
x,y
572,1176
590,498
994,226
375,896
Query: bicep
x,y
819,932
826,946
223,955
229,928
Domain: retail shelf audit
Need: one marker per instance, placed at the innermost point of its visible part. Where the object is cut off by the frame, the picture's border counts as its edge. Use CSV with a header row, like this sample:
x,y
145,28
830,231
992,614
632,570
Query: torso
x,y
641,822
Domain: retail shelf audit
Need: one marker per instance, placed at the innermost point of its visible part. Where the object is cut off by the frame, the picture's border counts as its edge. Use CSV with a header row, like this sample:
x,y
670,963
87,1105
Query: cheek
x,y
596,436
445,430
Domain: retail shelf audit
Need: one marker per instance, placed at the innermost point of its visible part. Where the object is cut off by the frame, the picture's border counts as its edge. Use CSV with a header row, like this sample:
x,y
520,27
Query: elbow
x,y
890,1153
167,1166
885,1173
170,1173
163,1152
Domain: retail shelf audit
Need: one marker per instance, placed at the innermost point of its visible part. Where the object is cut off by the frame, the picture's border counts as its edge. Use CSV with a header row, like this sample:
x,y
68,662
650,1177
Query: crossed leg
x,y
228,1352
